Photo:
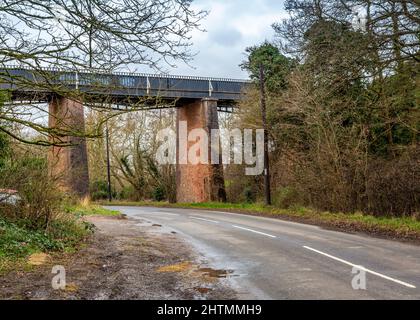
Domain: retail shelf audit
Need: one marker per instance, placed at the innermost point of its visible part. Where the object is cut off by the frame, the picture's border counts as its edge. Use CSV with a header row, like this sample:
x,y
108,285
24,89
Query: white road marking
x,y
362,268
171,214
208,220
250,230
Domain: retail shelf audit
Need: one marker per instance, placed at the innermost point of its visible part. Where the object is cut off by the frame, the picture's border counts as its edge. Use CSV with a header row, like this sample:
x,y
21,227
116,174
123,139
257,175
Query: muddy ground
x,y
124,259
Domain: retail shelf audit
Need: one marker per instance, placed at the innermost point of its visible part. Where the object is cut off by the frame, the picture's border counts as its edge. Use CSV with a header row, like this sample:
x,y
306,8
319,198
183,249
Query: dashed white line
x,y
202,219
255,231
362,268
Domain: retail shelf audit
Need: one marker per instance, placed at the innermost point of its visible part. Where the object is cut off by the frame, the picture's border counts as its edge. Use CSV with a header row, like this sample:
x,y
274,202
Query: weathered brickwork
x,y
69,164
200,182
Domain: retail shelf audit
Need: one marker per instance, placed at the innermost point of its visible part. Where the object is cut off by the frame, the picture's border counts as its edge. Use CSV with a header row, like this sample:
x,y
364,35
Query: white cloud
x,y
231,26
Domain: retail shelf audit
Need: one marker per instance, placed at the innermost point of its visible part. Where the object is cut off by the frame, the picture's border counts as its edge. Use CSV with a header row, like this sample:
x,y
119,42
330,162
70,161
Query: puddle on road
x,y
205,279
202,290
215,273
204,271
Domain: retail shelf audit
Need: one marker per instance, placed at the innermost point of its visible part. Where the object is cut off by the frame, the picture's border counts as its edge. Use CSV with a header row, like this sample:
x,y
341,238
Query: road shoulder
x,y
124,259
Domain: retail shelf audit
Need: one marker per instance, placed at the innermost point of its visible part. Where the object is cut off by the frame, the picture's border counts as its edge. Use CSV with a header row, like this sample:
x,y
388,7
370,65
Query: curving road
x,y
275,259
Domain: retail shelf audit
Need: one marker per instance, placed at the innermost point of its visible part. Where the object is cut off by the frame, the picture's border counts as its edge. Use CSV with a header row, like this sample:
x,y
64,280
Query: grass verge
x,y
405,229
82,209
64,234
18,243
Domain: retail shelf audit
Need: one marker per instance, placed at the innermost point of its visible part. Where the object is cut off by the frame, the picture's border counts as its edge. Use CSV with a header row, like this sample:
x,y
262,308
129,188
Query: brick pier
x,y
69,164
199,182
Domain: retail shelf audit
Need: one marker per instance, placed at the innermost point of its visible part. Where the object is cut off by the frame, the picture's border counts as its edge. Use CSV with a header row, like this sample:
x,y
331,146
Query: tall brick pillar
x,y
199,182
69,164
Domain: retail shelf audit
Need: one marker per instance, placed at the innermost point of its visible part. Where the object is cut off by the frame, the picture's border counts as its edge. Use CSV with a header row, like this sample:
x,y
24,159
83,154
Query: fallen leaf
x,y
71,287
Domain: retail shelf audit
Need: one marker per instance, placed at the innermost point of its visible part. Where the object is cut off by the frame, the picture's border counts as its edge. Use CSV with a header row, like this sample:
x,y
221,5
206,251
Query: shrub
x,y
17,241
285,197
99,190
159,193
127,193
249,195
40,196
394,185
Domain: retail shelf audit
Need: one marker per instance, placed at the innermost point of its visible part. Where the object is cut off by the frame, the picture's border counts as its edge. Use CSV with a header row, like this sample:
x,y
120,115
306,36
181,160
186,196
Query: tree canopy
x,y
276,65
345,127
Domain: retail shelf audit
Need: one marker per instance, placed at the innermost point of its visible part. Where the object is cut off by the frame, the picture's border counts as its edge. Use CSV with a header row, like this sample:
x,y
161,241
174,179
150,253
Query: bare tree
x,y
100,34
392,26
133,148
95,36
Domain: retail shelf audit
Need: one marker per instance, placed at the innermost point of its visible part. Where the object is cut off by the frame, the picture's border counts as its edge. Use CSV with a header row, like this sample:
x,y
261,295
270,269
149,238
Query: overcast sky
x,y
231,26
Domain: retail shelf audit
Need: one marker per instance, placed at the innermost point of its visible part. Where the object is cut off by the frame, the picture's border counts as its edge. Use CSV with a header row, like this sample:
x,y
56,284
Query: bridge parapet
x,y
121,84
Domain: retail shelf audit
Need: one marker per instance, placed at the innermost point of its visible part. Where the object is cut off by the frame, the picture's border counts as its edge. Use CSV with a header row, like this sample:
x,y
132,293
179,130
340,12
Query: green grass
x,y
206,205
18,242
405,228
65,234
90,210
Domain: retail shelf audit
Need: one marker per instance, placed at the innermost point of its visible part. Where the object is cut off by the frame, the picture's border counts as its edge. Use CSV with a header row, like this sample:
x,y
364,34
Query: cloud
x,y
227,37
231,27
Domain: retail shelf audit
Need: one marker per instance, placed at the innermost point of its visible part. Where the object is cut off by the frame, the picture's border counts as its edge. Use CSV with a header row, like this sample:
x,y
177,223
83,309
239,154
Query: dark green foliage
x,y
99,190
249,195
16,241
147,178
397,123
159,193
276,66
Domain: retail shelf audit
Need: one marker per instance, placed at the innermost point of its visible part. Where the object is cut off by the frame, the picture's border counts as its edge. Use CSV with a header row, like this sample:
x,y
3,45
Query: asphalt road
x,y
275,259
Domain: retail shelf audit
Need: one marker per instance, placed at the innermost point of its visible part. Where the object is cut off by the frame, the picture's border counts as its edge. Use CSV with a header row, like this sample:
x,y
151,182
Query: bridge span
x,y
119,88
197,100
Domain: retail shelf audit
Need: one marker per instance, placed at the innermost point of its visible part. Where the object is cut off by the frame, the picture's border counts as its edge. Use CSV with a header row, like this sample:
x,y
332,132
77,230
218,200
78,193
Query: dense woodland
x,y
343,112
